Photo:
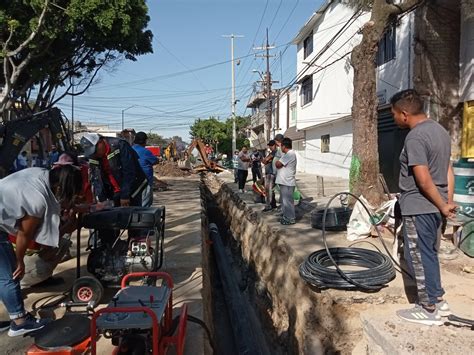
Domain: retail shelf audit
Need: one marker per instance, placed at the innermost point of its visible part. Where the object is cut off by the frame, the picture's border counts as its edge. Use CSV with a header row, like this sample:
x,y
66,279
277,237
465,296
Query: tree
x,y
53,49
156,139
213,131
365,160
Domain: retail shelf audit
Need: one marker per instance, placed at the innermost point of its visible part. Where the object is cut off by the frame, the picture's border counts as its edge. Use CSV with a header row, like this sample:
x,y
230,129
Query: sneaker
x,y
4,325
420,315
241,191
29,325
443,308
287,221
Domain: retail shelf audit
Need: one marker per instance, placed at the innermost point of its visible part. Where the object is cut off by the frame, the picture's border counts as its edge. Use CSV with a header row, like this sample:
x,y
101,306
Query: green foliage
x,y
212,130
156,139
76,38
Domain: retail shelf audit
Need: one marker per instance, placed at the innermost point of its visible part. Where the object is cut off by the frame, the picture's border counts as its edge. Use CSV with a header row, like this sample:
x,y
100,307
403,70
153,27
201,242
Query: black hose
x,y
318,269
242,326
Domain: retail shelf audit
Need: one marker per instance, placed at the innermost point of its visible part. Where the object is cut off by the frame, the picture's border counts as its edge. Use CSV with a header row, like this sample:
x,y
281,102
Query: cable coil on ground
x,y
317,269
321,268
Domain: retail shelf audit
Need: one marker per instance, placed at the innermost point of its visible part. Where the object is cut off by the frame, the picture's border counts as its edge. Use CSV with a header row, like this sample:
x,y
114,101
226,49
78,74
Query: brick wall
x,y
436,64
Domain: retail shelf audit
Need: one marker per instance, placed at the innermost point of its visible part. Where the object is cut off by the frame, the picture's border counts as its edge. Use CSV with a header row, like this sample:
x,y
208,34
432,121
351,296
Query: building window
x,y
307,90
387,46
292,114
308,45
325,143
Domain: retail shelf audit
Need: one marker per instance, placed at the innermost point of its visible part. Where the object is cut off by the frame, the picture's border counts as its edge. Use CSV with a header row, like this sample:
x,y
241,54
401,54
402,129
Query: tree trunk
x,y
364,170
365,157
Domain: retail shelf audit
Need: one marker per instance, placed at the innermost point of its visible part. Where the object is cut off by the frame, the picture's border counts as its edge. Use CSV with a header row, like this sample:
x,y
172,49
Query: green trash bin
x,y
464,185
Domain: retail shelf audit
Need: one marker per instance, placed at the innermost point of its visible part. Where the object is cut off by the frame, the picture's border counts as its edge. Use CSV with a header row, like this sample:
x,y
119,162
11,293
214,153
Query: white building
x,y
324,89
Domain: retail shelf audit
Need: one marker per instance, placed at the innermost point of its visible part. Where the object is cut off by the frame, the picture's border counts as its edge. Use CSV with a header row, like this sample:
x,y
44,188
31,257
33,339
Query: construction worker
x,y
147,160
115,170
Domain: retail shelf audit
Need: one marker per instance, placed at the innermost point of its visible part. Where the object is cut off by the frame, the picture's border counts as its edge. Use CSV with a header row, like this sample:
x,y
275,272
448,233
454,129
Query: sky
x,y
188,76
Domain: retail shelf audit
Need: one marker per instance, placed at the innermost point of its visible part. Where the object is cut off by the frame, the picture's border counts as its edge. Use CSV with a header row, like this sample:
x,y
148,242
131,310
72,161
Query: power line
x,y
180,62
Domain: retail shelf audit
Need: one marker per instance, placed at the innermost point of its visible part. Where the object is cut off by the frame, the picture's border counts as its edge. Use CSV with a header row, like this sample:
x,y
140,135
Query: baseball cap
x,y
140,138
88,143
271,142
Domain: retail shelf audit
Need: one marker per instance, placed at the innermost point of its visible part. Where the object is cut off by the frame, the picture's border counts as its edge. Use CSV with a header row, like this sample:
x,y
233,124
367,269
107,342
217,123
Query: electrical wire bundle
x,y
321,268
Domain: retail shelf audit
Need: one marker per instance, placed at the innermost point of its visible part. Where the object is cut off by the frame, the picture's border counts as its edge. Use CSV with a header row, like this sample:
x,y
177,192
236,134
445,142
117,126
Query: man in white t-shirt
x,y
287,181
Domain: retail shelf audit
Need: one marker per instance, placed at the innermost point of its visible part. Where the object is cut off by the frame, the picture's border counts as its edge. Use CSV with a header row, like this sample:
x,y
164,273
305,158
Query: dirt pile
x,y
170,169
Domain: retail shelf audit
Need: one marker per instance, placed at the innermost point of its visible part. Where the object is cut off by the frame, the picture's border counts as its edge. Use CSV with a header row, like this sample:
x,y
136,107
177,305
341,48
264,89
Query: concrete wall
x,y
332,86
436,64
337,162
397,74
285,101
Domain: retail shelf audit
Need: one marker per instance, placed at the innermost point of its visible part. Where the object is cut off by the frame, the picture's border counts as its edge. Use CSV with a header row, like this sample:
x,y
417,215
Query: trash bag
x,y
359,225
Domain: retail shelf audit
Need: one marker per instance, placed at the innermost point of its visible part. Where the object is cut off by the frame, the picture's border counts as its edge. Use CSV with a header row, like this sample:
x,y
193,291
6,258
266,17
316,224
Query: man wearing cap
x,y
115,171
147,160
270,177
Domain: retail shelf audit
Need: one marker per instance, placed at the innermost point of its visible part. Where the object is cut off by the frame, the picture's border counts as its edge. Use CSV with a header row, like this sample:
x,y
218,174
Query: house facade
x,y
324,89
418,50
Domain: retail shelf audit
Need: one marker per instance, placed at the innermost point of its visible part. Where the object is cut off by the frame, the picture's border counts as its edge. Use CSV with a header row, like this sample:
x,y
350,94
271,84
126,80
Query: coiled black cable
x,y
321,268
317,269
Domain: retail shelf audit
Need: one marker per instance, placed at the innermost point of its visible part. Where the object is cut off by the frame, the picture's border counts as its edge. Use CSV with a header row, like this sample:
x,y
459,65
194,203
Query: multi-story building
x,y
420,50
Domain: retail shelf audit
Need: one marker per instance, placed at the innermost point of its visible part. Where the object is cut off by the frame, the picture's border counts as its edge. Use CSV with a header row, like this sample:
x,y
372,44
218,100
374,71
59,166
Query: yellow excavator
x,y
170,151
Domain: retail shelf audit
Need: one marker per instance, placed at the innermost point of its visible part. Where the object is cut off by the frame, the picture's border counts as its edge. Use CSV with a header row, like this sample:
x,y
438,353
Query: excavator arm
x,y
201,148
17,133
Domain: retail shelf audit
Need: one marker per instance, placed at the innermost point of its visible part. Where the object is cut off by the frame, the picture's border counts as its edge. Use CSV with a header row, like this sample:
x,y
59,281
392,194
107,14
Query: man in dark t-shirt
x,y
427,187
270,202
256,159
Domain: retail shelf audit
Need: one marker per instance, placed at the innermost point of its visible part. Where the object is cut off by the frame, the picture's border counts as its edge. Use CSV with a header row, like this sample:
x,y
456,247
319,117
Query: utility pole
x,y
234,133
72,113
268,87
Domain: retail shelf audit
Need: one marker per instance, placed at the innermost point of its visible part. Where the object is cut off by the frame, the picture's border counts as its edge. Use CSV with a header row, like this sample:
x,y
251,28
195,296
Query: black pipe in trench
x,y
242,326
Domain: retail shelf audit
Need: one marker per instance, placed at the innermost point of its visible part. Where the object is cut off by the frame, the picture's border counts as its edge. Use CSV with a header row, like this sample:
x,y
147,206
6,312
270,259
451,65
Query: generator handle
x,y
159,274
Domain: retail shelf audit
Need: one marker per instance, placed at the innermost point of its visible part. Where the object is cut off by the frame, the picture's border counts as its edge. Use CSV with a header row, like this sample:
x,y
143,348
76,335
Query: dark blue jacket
x,y
125,169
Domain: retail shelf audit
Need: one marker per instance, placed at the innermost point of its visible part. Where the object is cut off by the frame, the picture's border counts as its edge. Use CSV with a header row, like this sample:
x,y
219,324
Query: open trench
x,y
283,316
233,295
286,316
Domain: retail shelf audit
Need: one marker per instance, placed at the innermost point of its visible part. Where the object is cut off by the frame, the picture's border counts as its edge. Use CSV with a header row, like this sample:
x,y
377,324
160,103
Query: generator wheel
x,y
86,289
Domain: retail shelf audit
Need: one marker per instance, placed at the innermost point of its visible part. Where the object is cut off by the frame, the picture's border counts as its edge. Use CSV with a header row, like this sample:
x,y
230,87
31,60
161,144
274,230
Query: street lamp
x,y
125,109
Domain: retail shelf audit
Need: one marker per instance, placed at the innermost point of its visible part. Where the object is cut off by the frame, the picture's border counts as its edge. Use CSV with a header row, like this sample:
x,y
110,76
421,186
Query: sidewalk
x,y
319,187
182,259
276,251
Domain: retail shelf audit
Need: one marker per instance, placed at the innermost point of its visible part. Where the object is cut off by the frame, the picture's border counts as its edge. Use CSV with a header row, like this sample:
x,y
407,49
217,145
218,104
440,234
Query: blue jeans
x,y
10,291
421,236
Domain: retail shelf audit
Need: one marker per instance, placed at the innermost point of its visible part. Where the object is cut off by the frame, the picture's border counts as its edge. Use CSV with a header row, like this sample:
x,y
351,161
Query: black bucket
x,y
336,218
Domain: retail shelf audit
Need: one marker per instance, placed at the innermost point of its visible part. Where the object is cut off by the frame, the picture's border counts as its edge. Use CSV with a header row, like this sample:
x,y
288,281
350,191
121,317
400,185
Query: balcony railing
x,y
257,120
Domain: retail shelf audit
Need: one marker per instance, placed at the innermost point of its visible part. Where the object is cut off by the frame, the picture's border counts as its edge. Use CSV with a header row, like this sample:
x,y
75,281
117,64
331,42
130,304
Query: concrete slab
x,y
386,334
182,260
